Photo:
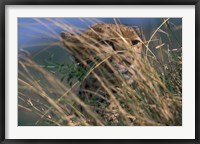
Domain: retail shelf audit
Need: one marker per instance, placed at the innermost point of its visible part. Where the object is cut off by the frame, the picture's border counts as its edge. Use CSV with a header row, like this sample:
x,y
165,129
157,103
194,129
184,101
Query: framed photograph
x,y
99,72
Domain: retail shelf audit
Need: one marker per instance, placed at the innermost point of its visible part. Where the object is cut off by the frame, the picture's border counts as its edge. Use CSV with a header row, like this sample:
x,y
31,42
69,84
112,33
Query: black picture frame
x,y
4,3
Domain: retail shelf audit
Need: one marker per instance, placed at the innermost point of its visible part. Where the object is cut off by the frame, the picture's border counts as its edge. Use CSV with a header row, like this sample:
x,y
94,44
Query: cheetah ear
x,y
66,35
137,29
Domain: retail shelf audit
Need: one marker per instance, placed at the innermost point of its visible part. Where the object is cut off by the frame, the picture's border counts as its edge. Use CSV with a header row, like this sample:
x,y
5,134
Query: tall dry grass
x,y
58,94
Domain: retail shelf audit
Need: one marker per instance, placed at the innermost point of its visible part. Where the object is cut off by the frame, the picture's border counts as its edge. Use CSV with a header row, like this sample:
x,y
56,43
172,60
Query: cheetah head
x,y
120,43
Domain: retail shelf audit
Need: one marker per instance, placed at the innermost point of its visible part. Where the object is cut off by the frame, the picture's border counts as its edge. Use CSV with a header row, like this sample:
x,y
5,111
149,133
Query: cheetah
x,y
109,38
106,50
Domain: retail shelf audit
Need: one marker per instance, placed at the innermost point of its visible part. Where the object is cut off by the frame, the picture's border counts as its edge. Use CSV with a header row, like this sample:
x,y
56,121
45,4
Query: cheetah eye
x,y
135,42
106,42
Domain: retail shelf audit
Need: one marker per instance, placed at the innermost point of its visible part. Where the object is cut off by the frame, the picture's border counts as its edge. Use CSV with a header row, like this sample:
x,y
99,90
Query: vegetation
x,y
52,89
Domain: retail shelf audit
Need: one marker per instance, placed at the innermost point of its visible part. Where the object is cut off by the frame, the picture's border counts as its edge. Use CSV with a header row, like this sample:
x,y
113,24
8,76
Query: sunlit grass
x,y
56,90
